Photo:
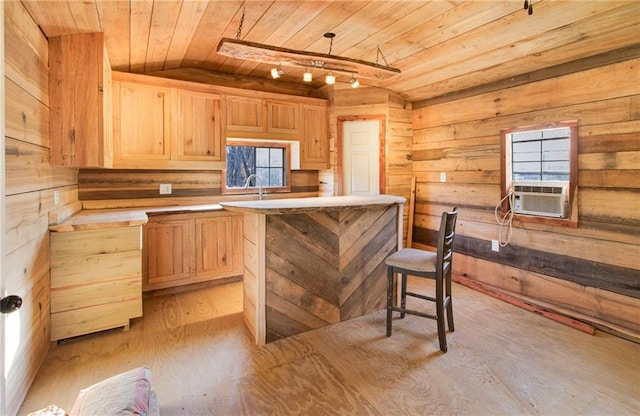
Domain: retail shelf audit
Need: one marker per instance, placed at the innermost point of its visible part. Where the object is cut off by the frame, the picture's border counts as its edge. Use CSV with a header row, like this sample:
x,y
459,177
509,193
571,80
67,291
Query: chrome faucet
x,y
259,180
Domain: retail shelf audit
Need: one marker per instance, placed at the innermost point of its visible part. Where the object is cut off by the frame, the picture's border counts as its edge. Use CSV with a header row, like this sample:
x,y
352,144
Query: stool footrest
x,y
412,312
418,295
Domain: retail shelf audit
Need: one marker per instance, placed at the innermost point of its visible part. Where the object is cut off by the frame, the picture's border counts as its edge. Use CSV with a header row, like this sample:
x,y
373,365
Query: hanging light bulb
x,y
354,81
307,76
276,72
330,78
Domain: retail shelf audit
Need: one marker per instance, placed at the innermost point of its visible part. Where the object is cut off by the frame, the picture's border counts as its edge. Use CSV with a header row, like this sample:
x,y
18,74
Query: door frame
x,y
3,387
340,150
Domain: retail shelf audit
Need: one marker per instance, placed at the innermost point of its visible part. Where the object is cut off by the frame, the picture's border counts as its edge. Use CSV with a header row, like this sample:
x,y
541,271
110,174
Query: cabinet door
x,y
197,126
245,114
218,246
168,250
314,152
80,128
283,118
142,126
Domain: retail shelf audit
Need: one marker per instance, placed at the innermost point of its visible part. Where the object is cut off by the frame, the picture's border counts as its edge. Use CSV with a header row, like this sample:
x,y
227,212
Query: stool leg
x,y
403,297
442,337
389,298
449,305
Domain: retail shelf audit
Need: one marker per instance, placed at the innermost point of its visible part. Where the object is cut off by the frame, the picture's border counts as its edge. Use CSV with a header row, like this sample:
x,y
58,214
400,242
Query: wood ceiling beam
x,y
275,55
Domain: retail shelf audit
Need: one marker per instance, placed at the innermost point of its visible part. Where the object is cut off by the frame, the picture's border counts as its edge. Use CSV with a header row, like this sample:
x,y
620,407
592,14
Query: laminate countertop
x,y
306,205
94,219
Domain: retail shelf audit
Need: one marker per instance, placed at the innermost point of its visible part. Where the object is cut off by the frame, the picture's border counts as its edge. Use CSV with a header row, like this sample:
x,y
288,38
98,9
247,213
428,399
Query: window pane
x,y
555,149
262,156
555,171
275,177
556,144
240,164
555,133
264,174
557,155
526,136
527,171
276,158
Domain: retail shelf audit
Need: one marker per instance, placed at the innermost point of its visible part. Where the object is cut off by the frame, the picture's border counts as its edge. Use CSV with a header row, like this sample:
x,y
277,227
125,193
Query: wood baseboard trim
x,y
193,286
579,321
515,300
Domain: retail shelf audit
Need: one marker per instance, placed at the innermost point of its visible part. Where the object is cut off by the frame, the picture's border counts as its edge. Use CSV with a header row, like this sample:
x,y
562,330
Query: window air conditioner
x,y
543,199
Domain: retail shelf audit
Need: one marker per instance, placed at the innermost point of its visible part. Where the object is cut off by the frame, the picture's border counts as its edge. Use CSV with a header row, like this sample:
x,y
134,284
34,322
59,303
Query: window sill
x,y
558,222
254,191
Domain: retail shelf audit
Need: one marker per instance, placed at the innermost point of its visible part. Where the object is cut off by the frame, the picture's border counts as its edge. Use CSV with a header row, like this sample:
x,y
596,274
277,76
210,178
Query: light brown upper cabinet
x,y
162,123
142,124
158,125
283,118
245,114
197,127
314,149
80,125
262,118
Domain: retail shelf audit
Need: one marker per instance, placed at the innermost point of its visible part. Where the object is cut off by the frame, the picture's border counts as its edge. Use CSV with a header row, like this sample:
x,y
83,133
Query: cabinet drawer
x,y
93,319
75,270
83,296
91,242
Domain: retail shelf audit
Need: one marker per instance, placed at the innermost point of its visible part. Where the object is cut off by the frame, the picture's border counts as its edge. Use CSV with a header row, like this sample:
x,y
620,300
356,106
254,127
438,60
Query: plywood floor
x,y
501,361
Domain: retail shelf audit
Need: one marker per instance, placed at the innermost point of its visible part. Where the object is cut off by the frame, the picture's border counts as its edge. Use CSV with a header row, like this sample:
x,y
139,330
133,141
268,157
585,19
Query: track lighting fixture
x,y
330,79
270,54
276,72
354,81
307,76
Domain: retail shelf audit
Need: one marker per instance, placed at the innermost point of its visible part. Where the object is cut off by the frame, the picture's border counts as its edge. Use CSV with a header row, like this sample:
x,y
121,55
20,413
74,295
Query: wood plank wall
x,y
592,269
118,188
345,101
30,186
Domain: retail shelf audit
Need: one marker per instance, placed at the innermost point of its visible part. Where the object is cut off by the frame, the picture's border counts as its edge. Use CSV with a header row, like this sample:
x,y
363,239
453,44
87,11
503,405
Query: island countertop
x,y
306,205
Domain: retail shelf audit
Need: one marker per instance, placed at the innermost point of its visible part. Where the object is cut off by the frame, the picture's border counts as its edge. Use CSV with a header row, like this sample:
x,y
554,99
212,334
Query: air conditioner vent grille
x,y
542,189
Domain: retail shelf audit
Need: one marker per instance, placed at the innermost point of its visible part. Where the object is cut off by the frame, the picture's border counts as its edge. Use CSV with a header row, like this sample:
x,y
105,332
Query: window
x,y
540,155
539,170
266,159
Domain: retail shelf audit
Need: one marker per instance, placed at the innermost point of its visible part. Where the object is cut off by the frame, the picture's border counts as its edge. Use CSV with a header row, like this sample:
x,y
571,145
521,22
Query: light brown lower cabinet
x,y
187,248
96,280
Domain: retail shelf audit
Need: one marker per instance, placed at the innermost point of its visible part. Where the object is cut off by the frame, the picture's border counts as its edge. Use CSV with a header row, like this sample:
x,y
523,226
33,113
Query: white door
x,y
360,157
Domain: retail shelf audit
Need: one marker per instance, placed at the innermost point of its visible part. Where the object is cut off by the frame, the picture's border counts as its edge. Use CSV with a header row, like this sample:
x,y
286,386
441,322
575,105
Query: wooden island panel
x,y
326,267
313,262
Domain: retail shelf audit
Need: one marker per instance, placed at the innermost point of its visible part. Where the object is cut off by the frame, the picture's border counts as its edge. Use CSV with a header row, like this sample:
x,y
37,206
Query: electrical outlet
x,y
56,197
494,245
165,188
443,176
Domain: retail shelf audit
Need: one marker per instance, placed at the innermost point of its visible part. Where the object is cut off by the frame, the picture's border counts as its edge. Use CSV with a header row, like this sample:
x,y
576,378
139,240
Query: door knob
x,y
10,304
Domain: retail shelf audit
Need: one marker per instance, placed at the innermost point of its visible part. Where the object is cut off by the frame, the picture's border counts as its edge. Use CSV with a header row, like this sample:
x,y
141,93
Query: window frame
x,y
506,172
254,189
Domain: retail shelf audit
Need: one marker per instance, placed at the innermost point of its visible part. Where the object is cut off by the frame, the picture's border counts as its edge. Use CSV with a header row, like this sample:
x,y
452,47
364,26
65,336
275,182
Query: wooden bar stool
x,y
421,263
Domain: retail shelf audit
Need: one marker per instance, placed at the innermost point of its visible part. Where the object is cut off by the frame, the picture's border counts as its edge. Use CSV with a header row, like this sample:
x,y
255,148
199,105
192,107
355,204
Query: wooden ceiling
x,y
440,46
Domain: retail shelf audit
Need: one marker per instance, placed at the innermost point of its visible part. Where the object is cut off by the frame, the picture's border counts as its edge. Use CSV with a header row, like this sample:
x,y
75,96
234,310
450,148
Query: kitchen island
x,y
312,262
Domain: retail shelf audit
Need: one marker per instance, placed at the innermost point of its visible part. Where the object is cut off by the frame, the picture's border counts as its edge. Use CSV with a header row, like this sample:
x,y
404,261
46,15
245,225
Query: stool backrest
x,y
445,242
